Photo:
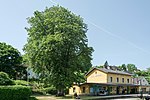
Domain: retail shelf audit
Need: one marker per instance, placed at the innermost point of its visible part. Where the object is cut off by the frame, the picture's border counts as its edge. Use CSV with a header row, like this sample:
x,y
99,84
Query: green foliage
x,y
142,73
131,68
50,90
10,60
14,93
43,91
101,66
36,85
145,73
57,47
5,80
38,92
122,67
41,88
21,82
33,98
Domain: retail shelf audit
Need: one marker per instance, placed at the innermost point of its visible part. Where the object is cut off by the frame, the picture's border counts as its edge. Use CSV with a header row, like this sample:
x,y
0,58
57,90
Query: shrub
x,y
38,91
15,92
50,90
44,91
5,80
35,85
21,82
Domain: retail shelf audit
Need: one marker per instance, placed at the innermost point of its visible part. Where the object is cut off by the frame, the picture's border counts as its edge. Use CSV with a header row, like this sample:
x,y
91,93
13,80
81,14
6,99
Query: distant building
x,y
142,82
31,74
109,80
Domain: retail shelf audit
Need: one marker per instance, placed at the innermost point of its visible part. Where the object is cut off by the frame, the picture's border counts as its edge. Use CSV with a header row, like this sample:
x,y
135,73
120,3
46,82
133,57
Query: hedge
x,y
5,80
15,92
50,90
21,82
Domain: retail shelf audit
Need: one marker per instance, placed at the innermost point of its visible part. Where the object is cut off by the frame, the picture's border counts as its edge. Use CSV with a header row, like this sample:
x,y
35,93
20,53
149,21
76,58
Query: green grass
x,y
65,97
33,98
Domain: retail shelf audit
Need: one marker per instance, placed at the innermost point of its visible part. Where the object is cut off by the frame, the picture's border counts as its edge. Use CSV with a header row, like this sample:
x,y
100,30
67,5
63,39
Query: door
x,y
117,90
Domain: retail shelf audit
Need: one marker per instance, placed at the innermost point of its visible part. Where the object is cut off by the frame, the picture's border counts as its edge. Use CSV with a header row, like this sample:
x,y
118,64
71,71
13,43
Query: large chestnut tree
x,y
57,46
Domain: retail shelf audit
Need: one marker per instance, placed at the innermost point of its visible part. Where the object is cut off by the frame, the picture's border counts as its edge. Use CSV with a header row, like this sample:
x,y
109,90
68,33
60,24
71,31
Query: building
x,y
106,81
142,82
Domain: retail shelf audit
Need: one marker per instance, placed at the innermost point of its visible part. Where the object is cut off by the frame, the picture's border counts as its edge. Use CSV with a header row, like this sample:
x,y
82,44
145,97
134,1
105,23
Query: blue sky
x,y
118,30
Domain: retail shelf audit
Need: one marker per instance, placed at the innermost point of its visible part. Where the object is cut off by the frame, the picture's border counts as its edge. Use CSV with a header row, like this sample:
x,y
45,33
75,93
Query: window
x,y
122,80
91,90
127,80
74,89
83,89
95,72
111,79
117,79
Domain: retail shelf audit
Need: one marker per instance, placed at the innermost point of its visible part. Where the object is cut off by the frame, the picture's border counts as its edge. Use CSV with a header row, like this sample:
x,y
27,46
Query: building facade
x,y
106,81
142,82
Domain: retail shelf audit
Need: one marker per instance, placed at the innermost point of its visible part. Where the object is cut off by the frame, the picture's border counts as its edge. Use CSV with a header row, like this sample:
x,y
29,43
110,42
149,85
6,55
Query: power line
x,y
112,34
119,37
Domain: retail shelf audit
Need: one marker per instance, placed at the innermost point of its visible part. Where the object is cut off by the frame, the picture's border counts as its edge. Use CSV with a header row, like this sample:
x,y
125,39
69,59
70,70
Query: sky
x,y
118,30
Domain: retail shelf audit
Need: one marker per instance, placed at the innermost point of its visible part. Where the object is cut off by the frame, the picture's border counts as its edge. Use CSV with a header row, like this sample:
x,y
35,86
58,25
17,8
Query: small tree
x,y
10,60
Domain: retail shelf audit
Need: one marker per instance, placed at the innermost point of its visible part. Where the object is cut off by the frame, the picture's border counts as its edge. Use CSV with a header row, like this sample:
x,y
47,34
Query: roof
x,y
110,71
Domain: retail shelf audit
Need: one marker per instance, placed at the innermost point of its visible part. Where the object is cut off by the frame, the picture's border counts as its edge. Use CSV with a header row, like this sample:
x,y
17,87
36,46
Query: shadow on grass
x,y
65,97
33,98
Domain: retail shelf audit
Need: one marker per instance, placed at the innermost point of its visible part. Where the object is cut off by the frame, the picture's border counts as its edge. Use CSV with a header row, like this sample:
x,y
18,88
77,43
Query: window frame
x,y
122,80
74,89
117,79
111,79
83,89
128,80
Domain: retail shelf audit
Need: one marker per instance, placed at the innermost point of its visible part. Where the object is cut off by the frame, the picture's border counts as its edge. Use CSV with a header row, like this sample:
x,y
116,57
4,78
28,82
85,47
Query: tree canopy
x,y
57,46
10,60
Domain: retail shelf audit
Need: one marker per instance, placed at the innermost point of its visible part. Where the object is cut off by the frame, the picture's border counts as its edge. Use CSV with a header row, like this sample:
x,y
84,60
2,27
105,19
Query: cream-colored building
x,y
142,82
105,81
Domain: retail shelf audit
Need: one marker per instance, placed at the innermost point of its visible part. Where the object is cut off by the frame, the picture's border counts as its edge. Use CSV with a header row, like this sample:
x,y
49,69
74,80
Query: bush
x,y
38,92
50,90
36,85
15,92
44,91
21,82
5,80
